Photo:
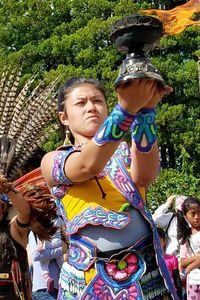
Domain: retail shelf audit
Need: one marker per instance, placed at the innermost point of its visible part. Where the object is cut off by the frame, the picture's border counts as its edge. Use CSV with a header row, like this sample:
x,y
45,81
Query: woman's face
x,y
193,216
85,111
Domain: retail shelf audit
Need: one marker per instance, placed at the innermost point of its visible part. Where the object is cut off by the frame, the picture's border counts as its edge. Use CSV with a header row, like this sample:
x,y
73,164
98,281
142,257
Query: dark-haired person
x,y
101,183
188,218
33,210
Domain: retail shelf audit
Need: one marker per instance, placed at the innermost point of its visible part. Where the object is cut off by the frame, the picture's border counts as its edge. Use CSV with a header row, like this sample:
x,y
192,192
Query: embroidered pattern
x,y
103,291
74,282
98,216
61,211
81,253
60,190
123,269
118,174
144,130
121,284
114,127
58,173
120,179
64,184
125,153
152,283
71,279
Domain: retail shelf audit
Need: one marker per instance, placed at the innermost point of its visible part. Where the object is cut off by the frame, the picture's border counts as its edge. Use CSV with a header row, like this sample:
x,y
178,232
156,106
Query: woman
x,y
111,260
33,210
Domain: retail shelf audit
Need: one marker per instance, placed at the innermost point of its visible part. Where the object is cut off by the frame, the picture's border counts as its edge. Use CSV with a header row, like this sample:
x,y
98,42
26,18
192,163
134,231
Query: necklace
x,y
80,145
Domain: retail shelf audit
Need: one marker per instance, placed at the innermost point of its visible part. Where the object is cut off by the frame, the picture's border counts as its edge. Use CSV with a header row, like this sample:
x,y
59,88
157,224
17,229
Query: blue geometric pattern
x,y
114,127
144,130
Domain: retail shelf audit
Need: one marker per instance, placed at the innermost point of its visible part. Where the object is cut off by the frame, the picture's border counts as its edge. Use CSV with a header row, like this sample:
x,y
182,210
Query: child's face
x,y
193,216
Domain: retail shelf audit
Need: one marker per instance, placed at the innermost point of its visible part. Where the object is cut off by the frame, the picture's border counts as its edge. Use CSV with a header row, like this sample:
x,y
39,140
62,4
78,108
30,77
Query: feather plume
x,y
7,151
2,82
24,115
24,156
7,98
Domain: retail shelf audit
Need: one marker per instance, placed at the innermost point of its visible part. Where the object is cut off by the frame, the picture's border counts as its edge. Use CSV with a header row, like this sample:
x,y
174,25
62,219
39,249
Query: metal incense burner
x,y
135,35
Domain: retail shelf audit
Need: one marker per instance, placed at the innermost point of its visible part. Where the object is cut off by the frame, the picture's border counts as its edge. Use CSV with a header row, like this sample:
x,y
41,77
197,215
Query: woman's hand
x,y
171,200
5,185
140,93
159,93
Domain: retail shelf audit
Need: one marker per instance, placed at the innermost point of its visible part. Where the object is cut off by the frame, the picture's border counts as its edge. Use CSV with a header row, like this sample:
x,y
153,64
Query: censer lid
x,y
136,32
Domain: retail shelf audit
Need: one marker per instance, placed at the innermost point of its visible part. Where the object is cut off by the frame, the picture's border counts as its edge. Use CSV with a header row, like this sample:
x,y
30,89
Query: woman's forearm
x,y
21,206
194,265
185,262
145,166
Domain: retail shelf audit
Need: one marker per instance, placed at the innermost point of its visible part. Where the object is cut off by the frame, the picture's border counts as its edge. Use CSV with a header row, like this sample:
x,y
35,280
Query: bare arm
x,y
191,263
163,208
19,233
145,166
185,262
21,206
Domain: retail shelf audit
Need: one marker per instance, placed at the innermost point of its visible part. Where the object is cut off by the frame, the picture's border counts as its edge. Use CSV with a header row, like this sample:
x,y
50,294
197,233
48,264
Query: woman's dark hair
x,y
183,228
66,88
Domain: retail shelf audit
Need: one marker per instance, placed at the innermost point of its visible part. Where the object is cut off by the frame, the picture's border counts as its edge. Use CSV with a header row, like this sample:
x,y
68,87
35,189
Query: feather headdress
x,y
24,115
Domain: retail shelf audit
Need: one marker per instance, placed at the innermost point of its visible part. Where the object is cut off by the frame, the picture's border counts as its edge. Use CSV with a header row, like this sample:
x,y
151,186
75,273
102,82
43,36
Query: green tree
x,y
72,38
172,182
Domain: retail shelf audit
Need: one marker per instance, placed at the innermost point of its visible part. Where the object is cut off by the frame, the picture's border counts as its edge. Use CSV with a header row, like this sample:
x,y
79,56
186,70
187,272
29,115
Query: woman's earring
x,y
67,136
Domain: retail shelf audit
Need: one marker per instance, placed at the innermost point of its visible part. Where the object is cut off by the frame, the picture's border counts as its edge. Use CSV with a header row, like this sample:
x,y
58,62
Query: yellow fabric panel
x,y
142,193
89,275
88,194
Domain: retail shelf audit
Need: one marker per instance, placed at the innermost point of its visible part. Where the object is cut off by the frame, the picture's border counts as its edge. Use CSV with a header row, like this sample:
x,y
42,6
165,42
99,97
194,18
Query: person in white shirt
x,y
167,220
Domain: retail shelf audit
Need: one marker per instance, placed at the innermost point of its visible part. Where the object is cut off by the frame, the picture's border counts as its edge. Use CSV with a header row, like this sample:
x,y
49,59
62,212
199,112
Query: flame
x,y
177,19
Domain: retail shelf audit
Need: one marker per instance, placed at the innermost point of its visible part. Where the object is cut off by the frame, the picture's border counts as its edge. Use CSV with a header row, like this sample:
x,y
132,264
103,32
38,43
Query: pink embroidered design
x,y
123,269
103,291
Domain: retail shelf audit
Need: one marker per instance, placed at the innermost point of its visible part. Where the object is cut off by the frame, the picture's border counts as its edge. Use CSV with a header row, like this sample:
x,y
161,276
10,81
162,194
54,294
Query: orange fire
x,y
177,19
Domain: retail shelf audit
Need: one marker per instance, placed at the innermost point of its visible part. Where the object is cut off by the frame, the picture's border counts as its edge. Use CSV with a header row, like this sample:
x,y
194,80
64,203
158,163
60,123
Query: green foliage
x,y
53,142
72,38
171,182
